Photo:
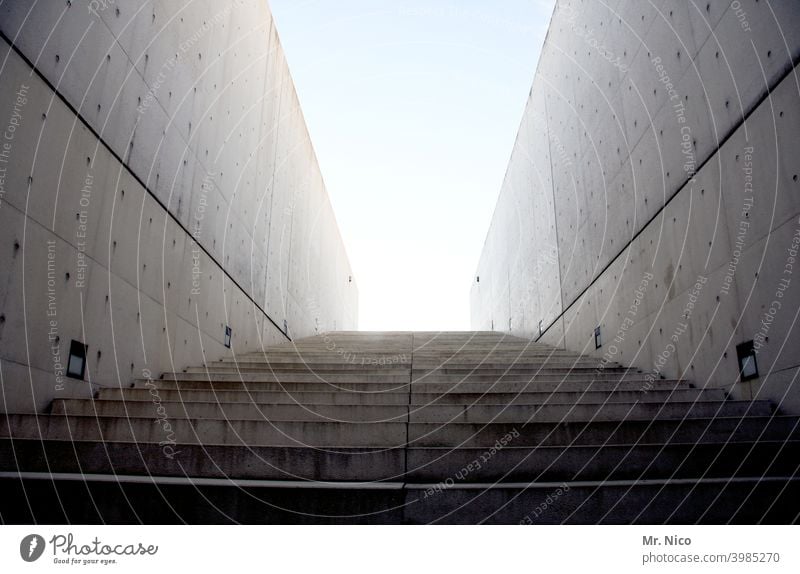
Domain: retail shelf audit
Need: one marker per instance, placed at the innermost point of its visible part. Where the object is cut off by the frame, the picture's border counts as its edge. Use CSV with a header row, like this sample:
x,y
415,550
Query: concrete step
x,y
499,370
390,377
434,465
419,368
482,413
404,358
354,352
394,379
206,461
343,354
52,499
489,350
603,462
479,377
418,387
451,427
355,377
500,353
170,427
330,397
401,397
302,367
394,434
310,363
601,432
322,355
237,411
587,367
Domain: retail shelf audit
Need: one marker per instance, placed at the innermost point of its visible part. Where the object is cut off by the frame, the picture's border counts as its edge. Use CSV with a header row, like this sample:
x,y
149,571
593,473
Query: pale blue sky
x,y
413,108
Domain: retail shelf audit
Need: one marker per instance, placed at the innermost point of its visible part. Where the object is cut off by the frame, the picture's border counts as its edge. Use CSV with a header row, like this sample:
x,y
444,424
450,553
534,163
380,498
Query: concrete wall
x,y
158,185
653,191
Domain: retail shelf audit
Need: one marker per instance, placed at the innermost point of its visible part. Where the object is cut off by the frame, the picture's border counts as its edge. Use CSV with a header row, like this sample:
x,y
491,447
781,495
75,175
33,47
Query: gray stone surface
x,y
347,441
619,190
160,186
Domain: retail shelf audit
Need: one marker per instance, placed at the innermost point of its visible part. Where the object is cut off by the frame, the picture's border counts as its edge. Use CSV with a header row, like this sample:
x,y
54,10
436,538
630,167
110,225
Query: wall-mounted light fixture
x,y
228,333
597,340
76,366
748,366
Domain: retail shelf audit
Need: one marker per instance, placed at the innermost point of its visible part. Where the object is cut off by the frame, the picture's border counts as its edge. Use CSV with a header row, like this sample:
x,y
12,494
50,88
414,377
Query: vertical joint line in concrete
x,y
408,413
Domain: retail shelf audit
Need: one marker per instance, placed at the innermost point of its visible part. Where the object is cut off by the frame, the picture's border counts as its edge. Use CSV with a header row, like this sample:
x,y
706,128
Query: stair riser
x,y
419,370
610,462
287,378
359,349
300,367
357,376
601,432
207,461
429,413
401,397
511,364
422,388
49,502
261,397
480,376
746,503
401,361
432,465
400,355
520,371
355,354
389,434
239,411
183,431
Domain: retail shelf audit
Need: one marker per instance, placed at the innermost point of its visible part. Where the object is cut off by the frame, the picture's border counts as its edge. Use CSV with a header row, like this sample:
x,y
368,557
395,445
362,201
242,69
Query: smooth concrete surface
x,y
158,185
317,431
653,192
227,502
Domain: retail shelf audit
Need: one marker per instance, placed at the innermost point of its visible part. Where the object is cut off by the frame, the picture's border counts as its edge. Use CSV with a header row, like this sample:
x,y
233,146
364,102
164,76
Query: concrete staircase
x,y
403,428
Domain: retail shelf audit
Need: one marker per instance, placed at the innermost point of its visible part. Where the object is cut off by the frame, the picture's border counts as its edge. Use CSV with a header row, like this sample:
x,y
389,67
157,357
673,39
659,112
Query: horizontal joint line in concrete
x,y
298,484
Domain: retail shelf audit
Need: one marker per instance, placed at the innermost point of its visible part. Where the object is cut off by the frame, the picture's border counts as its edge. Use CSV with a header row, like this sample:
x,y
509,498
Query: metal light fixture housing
x,y
76,365
748,365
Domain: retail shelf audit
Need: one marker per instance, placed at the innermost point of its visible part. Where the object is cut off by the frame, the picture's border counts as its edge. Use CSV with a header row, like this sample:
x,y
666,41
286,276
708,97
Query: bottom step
x,y
59,499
